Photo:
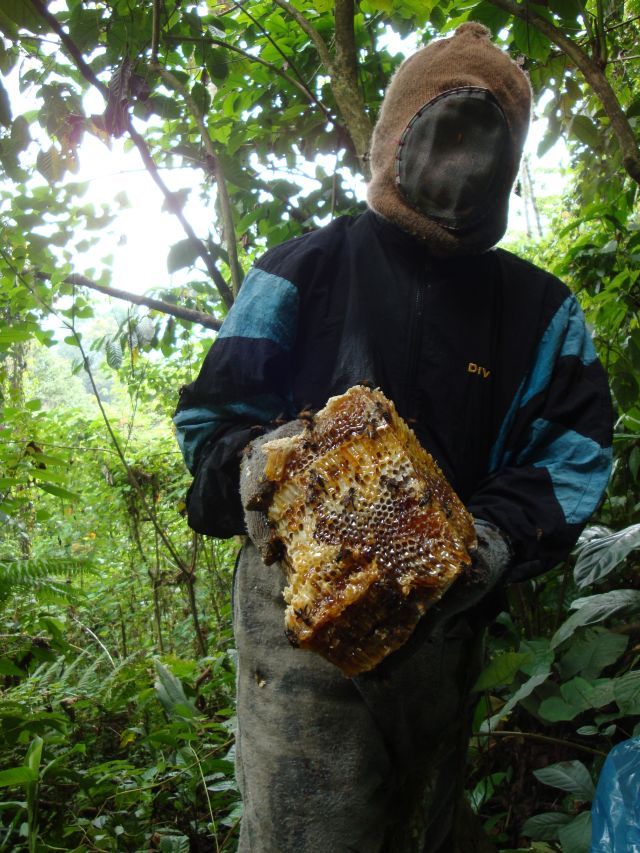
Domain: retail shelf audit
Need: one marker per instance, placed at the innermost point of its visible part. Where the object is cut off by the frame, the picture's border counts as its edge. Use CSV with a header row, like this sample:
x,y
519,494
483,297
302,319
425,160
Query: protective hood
x,y
447,146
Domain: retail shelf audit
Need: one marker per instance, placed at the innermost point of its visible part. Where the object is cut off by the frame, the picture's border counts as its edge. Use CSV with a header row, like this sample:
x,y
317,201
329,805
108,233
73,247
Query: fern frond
x,y
90,678
118,680
24,571
48,591
36,576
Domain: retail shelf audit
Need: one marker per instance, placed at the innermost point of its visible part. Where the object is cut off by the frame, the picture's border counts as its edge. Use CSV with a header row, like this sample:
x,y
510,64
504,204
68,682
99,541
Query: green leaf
x,y
174,844
201,98
556,710
216,62
437,19
373,6
114,354
58,492
626,691
84,27
233,171
591,652
484,790
501,670
8,28
146,330
47,475
576,696
588,731
570,776
177,201
34,755
633,110
5,107
7,57
14,335
539,656
164,106
602,554
596,608
548,141
50,165
585,130
625,389
545,826
568,10
522,693
22,13
530,41
182,254
17,776
600,692
633,348
491,16
171,693
576,836
579,693
8,667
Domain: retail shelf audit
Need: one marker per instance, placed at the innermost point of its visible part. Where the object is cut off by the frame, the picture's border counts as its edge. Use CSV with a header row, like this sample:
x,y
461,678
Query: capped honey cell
x,y
372,532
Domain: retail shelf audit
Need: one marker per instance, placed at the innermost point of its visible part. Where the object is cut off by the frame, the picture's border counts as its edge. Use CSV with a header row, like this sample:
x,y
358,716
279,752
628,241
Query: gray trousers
x,y
329,764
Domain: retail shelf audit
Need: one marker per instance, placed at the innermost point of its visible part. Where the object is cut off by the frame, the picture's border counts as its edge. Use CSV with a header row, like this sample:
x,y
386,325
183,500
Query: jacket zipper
x,y
414,347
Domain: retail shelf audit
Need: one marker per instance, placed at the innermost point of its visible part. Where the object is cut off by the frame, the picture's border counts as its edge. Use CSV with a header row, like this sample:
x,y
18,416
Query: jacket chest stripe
x,y
266,307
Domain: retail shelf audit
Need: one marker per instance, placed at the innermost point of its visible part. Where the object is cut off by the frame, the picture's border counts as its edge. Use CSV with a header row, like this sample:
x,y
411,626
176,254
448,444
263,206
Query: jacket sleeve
x,y
244,384
551,462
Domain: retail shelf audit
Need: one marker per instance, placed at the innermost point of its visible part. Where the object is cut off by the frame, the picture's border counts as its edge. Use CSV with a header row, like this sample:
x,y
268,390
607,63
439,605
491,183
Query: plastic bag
x,y
615,812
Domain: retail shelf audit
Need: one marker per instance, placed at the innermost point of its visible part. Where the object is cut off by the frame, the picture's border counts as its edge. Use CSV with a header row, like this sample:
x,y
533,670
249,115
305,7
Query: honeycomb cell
x,y
372,532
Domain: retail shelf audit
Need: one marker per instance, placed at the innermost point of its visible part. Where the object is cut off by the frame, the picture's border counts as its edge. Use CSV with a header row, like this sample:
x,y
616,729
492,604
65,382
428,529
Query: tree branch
x,y
149,512
155,30
602,36
623,23
73,50
542,738
310,30
133,480
595,77
89,75
283,74
288,60
188,314
586,19
225,204
345,83
343,72
232,47
149,162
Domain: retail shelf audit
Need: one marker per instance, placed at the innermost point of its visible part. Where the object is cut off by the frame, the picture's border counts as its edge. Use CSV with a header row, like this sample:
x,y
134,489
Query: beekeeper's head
x,y
446,148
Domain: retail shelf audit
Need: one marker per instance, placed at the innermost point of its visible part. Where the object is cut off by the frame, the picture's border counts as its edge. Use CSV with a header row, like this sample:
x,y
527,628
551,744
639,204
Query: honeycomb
x,y
371,532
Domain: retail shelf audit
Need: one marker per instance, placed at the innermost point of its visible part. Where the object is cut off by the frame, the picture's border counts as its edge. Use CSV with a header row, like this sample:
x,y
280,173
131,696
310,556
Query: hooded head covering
x,y
446,148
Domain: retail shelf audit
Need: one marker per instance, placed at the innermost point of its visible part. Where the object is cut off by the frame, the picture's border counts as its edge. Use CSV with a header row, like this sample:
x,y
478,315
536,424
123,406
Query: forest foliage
x,y
116,653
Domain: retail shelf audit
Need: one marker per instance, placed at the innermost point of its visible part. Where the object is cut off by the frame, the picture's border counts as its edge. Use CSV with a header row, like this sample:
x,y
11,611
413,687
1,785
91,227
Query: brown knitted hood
x,y
467,60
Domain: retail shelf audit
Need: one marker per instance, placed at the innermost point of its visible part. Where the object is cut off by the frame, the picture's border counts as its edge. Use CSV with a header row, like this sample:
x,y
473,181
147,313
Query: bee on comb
x,y
372,533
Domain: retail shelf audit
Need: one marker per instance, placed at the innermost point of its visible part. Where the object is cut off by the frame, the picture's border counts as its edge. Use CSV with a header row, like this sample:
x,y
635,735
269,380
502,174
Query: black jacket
x,y
487,357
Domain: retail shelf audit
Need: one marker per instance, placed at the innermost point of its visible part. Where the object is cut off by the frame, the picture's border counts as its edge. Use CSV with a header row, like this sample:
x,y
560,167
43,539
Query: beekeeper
x,y
489,358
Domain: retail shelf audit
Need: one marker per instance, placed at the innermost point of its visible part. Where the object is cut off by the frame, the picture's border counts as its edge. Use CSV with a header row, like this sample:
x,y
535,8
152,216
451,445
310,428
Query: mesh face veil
x,y
446,149
453,159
